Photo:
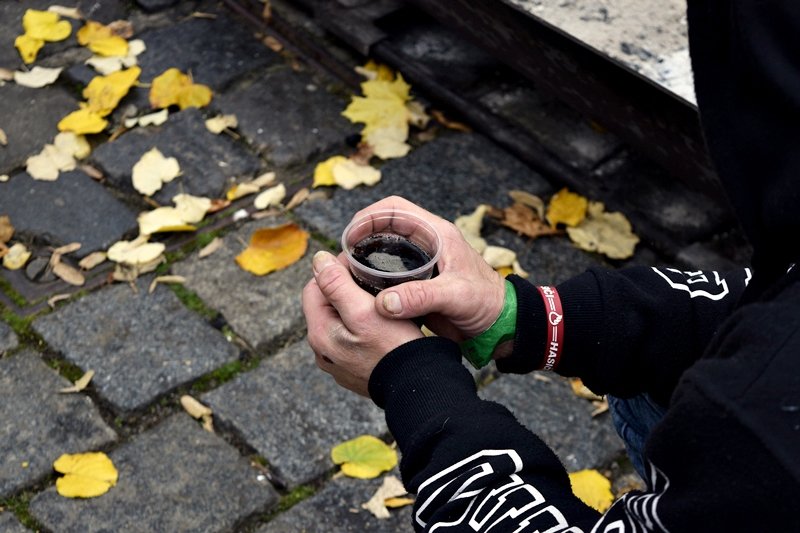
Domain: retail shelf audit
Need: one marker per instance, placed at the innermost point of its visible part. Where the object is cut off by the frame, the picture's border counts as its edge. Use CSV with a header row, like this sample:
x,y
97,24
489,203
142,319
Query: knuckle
x,y
420,296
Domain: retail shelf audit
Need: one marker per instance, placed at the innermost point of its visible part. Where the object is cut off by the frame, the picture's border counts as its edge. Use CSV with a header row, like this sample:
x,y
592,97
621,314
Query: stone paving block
x,y
106,11
292,413
10,524
261,309
39,424
215,51
140,345
175,477
8,339
337,509
552,411
449,176
29,118
287,116
73,208
155,5
558,128
207,161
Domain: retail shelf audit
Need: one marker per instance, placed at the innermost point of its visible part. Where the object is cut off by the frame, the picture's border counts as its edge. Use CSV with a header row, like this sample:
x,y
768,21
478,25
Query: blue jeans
x,y
634,419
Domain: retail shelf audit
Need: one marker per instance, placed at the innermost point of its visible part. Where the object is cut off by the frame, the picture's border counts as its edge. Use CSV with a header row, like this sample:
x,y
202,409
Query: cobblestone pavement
x,y
233,340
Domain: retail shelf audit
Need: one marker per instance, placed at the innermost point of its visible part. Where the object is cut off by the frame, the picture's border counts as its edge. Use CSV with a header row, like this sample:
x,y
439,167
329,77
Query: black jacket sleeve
x,y
629,331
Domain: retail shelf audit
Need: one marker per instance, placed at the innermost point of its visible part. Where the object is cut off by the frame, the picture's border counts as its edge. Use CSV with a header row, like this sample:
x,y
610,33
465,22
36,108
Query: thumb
x,y
415,298
338,287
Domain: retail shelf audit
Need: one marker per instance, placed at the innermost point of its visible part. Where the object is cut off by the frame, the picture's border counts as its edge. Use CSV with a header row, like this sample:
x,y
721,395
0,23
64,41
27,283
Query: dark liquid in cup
x,y
388,252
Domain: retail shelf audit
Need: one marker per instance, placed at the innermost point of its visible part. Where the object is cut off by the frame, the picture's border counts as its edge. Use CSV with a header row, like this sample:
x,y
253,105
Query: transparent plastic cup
x,y
386,248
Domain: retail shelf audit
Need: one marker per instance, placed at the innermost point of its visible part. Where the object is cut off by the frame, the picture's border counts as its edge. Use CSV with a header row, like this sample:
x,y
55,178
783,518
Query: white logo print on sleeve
x,y
697,283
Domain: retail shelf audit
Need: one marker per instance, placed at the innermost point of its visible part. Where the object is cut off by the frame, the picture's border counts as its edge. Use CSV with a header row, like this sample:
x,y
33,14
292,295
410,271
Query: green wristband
x,y
478,350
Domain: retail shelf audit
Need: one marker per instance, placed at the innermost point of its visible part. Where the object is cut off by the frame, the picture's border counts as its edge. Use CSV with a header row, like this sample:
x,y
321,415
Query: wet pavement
x,y
234,340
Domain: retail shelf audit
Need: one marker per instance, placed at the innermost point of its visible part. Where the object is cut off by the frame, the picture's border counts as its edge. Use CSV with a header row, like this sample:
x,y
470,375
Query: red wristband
x,y
555,327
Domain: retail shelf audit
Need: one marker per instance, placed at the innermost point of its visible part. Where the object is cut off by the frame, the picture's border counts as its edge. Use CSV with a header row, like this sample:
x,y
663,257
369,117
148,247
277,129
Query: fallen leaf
x,y
152,119
86,474
364,457
68,274
417,115
75,145
375,71
136,253
102,40
220,123
272,196
470,227
298,198
323,172
162,220
388,143
122,28
390,488
80,384
40,26
37,77
582,391
16,257
4,178
68,12
6,229
241,190
192,208
6,74
53,300
3,138
83,121
272,43
274,248
57,157
600,407
108,65
218,204
153,170
92,260
529,200
497,256
523,220
382,109
199,411
175,88
349,174
180,280
607,233
105,92
566,207
592,488
449,124
210,248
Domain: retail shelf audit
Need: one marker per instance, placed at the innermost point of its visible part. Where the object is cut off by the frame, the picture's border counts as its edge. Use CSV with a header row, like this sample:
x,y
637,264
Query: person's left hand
x,y
346,333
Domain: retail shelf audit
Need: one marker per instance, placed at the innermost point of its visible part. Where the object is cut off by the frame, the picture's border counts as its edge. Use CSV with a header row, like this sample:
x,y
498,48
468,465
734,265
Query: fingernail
x,y
391,302
321,261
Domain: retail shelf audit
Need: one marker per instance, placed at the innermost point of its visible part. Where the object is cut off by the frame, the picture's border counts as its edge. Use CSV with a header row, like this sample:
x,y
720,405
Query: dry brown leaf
x,y
266,12
272,43
582,391
218,204
450,124
68,274
92,260
3,138
80,384
67,248
121,28
523,220
600,407
210,248
390,488
203,15
394,503
6,229
530,200
165,279
92,172
266,213
298,198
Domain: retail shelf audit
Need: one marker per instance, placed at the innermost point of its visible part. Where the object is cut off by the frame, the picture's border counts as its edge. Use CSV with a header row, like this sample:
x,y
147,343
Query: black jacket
x,y
721,350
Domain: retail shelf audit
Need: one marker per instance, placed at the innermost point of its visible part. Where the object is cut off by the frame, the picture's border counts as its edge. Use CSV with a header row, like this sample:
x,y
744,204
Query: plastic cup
x,y
389,247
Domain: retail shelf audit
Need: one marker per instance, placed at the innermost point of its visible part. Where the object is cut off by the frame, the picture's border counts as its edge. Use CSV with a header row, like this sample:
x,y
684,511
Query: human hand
x,y
346,334
461,302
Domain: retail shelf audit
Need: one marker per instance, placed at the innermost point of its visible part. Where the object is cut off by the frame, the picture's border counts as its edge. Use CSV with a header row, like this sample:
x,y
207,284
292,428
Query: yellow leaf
x,y
220,123
161,220
175,88
272,196
592,488
152,119
470,227
382,106
45,25
348,174
364,457
191,208
607,233
388,142
566,207
86,474
136,252
394,503
83,121
6,229
323,172
272,249
75,145
80,384
153,170
101,40
104,92
376,71
16,257
28,47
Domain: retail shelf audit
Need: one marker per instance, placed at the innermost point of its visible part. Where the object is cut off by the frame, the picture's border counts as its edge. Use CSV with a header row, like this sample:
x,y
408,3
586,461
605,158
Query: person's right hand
x,y
461,302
